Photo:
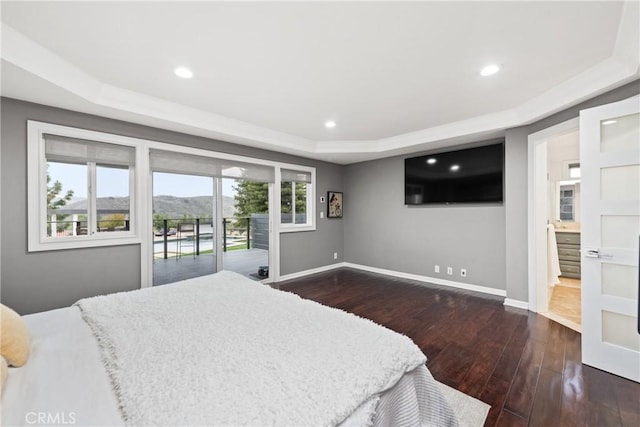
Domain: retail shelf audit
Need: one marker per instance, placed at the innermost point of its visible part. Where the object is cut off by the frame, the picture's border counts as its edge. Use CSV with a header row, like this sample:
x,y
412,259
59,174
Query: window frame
x,y
37,188
140,194
310,224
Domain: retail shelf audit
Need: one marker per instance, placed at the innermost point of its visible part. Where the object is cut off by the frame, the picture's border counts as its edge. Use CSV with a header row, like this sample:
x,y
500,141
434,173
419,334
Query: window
x,y
80,190
574,170
113,201
296,189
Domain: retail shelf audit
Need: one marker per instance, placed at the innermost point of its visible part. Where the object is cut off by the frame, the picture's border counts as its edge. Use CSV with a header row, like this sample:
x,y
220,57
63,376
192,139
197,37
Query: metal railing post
x,y
197,236
164,232
224,234
248,232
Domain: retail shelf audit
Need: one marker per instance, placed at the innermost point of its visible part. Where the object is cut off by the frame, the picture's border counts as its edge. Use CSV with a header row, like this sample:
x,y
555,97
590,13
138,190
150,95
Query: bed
x,y
218,350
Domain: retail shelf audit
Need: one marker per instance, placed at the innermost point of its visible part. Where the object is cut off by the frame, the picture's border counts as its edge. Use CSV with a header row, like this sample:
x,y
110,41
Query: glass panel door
x,y
183,227
245,225
610,148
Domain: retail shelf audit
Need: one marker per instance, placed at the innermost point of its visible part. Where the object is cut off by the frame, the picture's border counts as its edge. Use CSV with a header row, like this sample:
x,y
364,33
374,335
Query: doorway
x,y
199,187
555,289
563,229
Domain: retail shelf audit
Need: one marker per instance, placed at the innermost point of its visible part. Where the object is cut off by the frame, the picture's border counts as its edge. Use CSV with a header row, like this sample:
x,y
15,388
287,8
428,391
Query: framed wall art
x,y
335,206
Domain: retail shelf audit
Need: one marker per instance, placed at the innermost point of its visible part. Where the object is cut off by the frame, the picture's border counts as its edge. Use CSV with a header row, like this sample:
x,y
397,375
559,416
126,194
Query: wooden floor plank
x,y
523,388
507,419
547,401
527,367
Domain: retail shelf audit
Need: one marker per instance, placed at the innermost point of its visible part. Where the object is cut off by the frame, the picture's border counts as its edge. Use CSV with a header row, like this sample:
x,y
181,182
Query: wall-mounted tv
x,y
471,175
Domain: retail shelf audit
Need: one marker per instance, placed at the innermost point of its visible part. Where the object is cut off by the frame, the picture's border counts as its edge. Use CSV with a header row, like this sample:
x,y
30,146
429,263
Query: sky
x,y
170,184
114,182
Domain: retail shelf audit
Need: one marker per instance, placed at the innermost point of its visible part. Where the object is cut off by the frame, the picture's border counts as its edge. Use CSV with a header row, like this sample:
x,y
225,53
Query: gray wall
x,y
377,229
516,208
380,231
307,250
34,282
517,189
490,241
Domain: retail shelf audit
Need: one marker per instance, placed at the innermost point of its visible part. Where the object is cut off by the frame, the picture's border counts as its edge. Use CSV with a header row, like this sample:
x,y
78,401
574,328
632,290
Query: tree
x,y
112,221
253,197
54,202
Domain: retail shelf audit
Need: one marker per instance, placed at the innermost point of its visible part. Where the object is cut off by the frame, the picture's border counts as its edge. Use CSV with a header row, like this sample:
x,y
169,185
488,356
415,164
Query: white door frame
x,y
537,212
146,220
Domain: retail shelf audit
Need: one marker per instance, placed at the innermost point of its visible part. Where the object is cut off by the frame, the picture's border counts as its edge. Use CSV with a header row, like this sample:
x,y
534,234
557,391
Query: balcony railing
x,y
195,236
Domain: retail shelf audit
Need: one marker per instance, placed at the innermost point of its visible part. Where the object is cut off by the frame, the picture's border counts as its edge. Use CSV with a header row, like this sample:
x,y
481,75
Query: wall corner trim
x,y
427,279
516,303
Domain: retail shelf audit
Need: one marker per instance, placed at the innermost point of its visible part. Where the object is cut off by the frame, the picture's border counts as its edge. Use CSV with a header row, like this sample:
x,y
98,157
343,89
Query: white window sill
x,y
81,242
295,228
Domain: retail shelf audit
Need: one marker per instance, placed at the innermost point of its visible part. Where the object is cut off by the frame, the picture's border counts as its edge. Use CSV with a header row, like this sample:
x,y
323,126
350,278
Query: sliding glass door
x,y
209,214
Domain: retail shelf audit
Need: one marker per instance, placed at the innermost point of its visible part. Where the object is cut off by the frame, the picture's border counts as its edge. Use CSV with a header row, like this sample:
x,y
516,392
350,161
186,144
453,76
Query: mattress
x,y
65,382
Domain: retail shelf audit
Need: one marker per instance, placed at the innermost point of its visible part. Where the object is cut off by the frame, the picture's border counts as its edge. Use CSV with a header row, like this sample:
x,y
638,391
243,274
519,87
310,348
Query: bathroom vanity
x,y
568,242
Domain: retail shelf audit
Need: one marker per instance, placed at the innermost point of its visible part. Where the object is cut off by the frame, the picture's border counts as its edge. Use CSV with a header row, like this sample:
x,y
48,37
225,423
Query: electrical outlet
x,y
437,269
335,255
450,271
463,272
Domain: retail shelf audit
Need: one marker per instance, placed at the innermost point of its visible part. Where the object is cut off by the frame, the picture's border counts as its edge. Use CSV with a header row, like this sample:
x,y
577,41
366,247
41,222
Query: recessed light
x,y
454,168
183,72
609,122
330,124
490,70
431,161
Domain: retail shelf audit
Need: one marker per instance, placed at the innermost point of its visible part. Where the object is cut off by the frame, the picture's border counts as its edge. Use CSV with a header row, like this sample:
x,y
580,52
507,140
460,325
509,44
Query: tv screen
x,y
472,175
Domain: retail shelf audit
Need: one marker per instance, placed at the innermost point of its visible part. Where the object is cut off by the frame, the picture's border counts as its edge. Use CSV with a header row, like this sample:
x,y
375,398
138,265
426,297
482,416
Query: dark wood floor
x,y
525,366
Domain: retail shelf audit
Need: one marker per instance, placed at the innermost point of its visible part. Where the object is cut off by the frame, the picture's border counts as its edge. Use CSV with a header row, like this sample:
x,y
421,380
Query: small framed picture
x,y
335,206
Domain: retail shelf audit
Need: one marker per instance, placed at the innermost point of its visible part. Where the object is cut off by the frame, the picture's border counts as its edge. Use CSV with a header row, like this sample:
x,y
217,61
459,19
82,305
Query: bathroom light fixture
x,y
183,72
431,161
609,122
489,70
454,168
330,124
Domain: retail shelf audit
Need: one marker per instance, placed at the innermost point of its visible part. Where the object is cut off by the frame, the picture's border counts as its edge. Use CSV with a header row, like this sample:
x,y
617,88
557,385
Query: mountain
x,y
199,206
174,207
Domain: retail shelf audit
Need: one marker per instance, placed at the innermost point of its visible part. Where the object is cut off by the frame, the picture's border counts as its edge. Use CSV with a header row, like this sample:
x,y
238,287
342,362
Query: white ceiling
x,y
397,77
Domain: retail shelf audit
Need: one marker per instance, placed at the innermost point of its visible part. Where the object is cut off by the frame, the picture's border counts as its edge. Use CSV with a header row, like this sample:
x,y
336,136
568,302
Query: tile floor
x,y
566,300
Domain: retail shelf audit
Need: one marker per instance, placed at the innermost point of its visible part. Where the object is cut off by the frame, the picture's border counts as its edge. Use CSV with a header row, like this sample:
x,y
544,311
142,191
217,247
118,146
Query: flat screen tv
x,y
471,175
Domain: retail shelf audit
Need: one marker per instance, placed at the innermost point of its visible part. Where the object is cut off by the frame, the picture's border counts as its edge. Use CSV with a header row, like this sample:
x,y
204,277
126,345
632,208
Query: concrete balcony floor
x,y
243,261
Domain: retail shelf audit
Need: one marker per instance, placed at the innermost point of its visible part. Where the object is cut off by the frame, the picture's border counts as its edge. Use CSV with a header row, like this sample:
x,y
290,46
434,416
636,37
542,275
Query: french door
x,y
610,163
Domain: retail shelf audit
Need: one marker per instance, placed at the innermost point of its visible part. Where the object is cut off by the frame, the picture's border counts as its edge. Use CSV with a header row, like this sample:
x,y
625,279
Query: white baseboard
x,y
303,273
419,278
427,279
516,303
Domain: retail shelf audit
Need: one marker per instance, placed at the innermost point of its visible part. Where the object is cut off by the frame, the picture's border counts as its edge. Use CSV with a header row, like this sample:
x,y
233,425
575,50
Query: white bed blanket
x,y
224,350
65,381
